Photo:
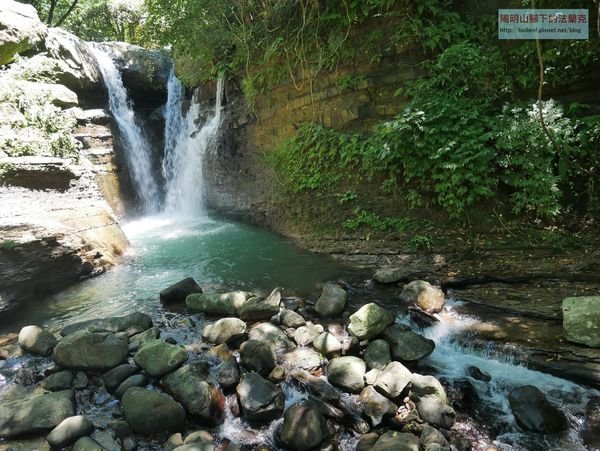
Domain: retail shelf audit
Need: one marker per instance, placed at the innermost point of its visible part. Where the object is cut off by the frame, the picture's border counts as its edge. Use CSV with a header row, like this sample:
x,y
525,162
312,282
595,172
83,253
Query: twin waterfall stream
x,y
175,238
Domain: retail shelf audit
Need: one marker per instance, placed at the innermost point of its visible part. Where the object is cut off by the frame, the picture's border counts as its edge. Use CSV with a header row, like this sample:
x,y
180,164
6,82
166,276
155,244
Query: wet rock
x,y
533,412
347,373
159,358
257,308
371,376
396,441
113,378
431,436
173,442
317,386
90,351
476,373
277,375
198,436
427,386
332,300
367,441
422,318
465,397
203,400
228,374
218,304
151,412
302,358
133,323
273,336
200,446
590,432
369,321
137,380
391,275
257,356
304,427
377,354
327,344
305,335
260,399
20,29
58,381
375,405
80,381
407,346
393,379
140,340
431,401
36,340
221,351
69,431
224,330
424,295
179,291
37,414
289,318
87,444
581,320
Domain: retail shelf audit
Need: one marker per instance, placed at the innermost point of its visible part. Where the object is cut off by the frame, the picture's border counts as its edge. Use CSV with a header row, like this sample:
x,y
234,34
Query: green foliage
x,y
364,219
10,245
420,242
351,82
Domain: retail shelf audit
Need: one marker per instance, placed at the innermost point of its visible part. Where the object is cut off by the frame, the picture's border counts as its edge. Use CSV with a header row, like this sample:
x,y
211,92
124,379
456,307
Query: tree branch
x,y
66,14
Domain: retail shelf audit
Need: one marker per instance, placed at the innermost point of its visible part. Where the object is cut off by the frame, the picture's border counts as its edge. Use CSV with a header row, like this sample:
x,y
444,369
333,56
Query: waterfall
x,y
186,146
137,149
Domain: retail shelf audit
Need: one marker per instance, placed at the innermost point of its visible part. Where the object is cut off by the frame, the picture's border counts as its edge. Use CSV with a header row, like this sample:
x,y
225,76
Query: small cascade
x,y
137,154
186,146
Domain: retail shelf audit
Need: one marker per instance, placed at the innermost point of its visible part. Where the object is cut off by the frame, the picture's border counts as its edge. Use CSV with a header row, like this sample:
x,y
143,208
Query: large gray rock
x,y
304,426
224,330
61,380
332,301
377,354
375,405
150,412
317,386
257,308
37,414
302,358
347,373
391,275
289,318
369,321
228,374
273,336
431,401
260,399
581,320
36,340
20,29
533,412
396,441
422,386
87,444
219,304
406,345
201,399
90,351
393,379
258,356
590,431
424,295
58,95
305,335
135,380
69,431
133,323
179,291
74,65
159,358
113,378
327,344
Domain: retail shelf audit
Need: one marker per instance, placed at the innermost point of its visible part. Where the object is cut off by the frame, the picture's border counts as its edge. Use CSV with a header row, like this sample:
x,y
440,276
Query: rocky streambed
x,y
237,371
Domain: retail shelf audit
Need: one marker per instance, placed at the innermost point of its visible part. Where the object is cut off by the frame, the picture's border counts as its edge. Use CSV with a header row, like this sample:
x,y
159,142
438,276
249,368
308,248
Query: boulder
x,y
396,441
179,291
150,412
258,356
393,379
421,318
422,386
257,308
61,380
261,400
20,29
533,412
581,320
90,351
317,386
136,380
302,358
424,295
375,406
218,304
199,446
58,95
113,378
201,399
347,373
431,401
133,323
87,444
431,436
69,431
37,414
273,336
391,275
369,321
305,335
476,373
228,374
36,340
224,330
159,358
289,318
74,65
406,345
590,432
377,355
142,339
304,427
332,300
327,344
367,441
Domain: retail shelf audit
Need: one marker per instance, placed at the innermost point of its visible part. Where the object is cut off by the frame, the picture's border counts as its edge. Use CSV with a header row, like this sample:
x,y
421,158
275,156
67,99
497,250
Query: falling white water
x,y
137,149
186,146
